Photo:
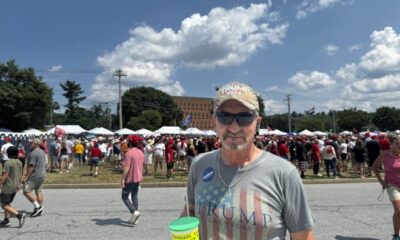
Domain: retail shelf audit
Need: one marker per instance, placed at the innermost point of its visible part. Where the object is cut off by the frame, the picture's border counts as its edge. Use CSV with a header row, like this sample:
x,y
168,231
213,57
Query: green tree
x,y
73,92
99,115
310,123
352,118
25,100
136,100
149,119
387,118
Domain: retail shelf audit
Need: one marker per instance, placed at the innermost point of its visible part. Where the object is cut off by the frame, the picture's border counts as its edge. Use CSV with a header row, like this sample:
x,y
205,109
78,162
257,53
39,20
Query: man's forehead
x,y
233,104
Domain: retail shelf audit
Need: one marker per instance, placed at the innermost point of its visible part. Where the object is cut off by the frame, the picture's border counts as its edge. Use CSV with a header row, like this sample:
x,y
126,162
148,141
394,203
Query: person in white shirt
x,y
148,156
343,154
159,149
329,154
6,145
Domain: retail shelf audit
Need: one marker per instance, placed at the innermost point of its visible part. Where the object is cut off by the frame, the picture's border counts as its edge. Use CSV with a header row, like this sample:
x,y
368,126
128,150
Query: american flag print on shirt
x,y
236,214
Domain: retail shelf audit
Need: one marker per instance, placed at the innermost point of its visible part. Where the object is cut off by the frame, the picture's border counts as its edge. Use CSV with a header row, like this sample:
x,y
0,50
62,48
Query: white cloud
x,y
311,81
55,68
372,82
354,47
274,107
174,89
384,56
386,84
330,49
308,7
223,37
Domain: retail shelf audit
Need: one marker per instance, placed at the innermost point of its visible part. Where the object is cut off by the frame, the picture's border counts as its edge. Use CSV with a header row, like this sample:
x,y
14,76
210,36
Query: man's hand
x,y
122,183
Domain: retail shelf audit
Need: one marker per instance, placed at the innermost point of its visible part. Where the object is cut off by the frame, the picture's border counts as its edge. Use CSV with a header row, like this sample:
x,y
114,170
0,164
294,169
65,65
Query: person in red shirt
x,y
283,150
169,158
316,157
95,154
132,175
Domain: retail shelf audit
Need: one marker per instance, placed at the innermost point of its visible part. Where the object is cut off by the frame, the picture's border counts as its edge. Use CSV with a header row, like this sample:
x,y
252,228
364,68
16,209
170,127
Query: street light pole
x,y
119,73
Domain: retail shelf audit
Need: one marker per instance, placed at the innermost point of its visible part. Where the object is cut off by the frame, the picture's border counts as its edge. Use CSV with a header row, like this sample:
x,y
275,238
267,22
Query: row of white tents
x,y
77,130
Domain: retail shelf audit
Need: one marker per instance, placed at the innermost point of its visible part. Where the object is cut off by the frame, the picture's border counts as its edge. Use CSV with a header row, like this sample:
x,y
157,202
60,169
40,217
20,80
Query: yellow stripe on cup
x,y
184,228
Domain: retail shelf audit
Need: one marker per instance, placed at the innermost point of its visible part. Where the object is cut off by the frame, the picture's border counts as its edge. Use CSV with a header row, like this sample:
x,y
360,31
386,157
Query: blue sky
x,y
331,54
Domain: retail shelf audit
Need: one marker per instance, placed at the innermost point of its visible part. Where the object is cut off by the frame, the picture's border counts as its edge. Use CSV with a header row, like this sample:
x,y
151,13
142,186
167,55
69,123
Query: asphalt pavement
x,y
341,211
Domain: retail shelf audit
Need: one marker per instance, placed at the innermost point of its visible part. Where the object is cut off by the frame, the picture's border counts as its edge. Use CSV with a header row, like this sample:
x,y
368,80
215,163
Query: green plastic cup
x,y
186,228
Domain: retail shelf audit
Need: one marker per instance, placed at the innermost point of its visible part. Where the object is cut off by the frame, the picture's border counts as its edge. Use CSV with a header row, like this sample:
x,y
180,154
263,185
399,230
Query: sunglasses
x,y
242,118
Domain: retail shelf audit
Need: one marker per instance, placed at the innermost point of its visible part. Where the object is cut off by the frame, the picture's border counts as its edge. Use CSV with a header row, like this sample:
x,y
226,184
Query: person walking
x,y
391,163
95,155
10,182
240,191
35,177
132,176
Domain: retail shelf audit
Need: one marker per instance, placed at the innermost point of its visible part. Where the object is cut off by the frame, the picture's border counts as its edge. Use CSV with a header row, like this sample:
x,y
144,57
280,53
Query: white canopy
x,y
346,133
319,133
69,129
277,132
306,133
193,131
32,131
263,131
144,132
210,133
169,130
125,131
100,131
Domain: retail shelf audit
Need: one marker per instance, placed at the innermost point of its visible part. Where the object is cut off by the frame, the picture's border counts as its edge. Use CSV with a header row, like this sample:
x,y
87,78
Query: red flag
x,y
59,131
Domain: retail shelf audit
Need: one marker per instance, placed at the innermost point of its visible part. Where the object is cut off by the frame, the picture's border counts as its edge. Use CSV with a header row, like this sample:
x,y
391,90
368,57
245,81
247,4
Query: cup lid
x,y
183,224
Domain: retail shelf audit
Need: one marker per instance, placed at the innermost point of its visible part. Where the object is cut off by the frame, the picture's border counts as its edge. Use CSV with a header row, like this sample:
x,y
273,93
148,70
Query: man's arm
x,y
184,211
3,178
125,170
29,171
303,235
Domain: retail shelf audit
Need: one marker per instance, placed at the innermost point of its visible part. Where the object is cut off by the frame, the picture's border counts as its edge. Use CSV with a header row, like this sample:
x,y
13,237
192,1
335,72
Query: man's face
x,y
236,136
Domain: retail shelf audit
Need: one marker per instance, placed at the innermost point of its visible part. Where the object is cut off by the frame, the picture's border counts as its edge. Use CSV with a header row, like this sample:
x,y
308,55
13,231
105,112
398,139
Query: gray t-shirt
x,y
14,169
266,199
37,158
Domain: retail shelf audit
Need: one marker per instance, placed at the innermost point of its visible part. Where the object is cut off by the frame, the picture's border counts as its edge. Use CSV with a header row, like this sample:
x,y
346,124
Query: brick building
x,y
199,108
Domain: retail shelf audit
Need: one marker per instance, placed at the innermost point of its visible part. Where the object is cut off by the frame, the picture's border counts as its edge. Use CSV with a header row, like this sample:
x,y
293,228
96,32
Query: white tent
x,y
346,133
33,131
210,133
69,129
277,132
192,131
306,133
144,132
263,131
125,131
319,133
100,131
169,130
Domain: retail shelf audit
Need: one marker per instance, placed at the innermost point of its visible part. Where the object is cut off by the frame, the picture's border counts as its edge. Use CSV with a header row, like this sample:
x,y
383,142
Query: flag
x,y
59,132
311,111
187,120
269,129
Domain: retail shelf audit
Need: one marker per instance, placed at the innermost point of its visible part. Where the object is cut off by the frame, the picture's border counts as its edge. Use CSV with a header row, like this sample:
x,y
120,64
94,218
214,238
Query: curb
x,y
184,184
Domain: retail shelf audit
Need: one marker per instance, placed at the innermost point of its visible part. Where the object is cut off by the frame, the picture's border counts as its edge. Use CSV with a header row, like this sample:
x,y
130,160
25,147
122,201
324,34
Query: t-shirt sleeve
x,y
191,184
127,160
31,159
296,213
6,167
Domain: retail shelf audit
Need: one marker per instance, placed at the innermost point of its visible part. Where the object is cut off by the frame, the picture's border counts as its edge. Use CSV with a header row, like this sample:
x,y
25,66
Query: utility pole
x,y
287,99
119,73
334,121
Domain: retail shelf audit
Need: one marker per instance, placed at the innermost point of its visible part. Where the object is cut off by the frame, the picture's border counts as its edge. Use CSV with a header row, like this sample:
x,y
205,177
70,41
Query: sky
x,y
327,54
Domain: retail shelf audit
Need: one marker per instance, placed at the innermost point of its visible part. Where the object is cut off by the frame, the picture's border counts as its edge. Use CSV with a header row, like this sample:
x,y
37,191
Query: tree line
x,y
27,101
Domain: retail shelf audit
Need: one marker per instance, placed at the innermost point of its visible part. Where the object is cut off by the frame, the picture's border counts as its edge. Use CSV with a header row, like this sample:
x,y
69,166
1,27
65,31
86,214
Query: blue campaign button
x,y
208,174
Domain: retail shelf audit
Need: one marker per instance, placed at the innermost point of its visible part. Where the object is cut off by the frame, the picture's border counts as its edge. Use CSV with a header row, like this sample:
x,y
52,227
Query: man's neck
x,y
240,158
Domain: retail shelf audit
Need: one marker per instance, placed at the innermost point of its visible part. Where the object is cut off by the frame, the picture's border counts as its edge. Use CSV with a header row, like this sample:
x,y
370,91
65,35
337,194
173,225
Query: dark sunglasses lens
x,y
244,119
225,118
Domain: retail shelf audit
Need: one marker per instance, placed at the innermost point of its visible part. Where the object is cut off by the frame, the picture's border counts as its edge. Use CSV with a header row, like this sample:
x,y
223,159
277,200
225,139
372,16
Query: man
x,y
132,175
6,145
10,181
373,149
35,176
241,191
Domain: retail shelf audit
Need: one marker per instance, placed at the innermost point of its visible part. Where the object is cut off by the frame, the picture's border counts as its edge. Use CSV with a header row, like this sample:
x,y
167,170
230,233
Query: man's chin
x,y
234,146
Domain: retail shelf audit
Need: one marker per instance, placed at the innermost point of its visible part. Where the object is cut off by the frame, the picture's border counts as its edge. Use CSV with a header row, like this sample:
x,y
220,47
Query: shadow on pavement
x,y
338,237
112,221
